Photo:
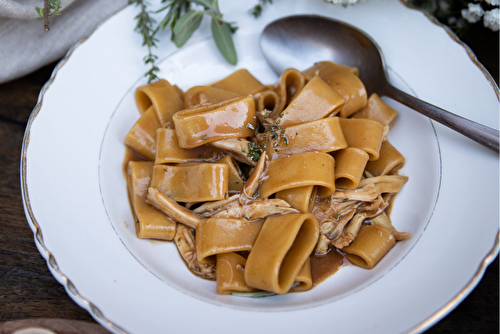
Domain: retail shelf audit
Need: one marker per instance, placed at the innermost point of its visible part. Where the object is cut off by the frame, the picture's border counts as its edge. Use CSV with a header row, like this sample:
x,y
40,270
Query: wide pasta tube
x,y
223,235
202,125
235,180
364,134
377,110
230,274
350,164
194,183
257,178
169,151
240,82
142,136
316,100
389,161
163,97
323,135
300,198
280,251
267,100
299,170
369,246
150,223
289,84
344,80
206,94
304,278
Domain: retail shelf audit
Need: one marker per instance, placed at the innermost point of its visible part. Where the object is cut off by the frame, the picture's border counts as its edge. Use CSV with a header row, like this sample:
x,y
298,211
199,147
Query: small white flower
x,y
491,19
473,13
493,2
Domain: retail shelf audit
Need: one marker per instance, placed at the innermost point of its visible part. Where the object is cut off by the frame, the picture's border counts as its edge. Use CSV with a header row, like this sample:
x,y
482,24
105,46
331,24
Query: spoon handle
x,y
480,133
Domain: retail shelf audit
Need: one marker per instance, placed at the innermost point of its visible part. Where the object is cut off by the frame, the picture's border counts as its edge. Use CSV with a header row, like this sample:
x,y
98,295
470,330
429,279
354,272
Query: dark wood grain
x,y
27,288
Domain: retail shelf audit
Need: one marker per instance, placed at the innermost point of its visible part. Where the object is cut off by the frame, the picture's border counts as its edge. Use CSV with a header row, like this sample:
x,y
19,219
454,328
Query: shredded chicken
x,y
384,221
172,209
370,188
185,241
323,244
333,214
247,204
211,206
341,216
350,232
256,209
256,178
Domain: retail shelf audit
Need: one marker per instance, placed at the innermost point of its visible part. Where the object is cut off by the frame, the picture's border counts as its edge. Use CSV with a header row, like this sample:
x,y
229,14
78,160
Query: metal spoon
x,y
306,39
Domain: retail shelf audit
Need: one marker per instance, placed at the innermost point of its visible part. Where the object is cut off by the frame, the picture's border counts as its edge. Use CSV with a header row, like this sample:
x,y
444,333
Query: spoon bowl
x,y
305,39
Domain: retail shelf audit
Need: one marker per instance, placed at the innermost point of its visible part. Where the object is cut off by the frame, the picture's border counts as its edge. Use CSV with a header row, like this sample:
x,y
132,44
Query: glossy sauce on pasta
x,y
266,187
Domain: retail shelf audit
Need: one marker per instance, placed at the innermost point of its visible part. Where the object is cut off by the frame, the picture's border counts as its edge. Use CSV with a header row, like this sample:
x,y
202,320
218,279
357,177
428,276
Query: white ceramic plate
x,y
75,197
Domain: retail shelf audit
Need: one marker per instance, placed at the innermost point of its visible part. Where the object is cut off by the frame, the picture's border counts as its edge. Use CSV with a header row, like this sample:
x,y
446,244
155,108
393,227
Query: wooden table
x,y
29,291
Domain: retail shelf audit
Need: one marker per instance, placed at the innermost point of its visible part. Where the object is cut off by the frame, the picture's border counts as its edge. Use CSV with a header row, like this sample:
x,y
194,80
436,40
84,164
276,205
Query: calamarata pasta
x,y
266,188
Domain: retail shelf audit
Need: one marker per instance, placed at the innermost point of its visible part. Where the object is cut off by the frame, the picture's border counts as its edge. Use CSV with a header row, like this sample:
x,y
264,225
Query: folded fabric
x,y
25,46
25,9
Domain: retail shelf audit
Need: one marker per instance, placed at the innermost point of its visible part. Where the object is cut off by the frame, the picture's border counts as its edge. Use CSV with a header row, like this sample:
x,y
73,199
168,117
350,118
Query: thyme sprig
x,y
183,21
256,10
145,27
254,151
50,7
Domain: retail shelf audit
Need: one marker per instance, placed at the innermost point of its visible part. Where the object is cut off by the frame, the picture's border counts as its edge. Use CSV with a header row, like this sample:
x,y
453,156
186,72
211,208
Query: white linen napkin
x,y
25,46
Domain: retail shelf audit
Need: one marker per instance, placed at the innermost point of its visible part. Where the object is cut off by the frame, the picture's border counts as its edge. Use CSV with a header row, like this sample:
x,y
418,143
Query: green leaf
x,y
206,3
39,11
164,7
185,26
224,41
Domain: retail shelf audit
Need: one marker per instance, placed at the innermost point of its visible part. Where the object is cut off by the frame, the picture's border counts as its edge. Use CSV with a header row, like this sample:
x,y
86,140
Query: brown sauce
x,y
324,266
